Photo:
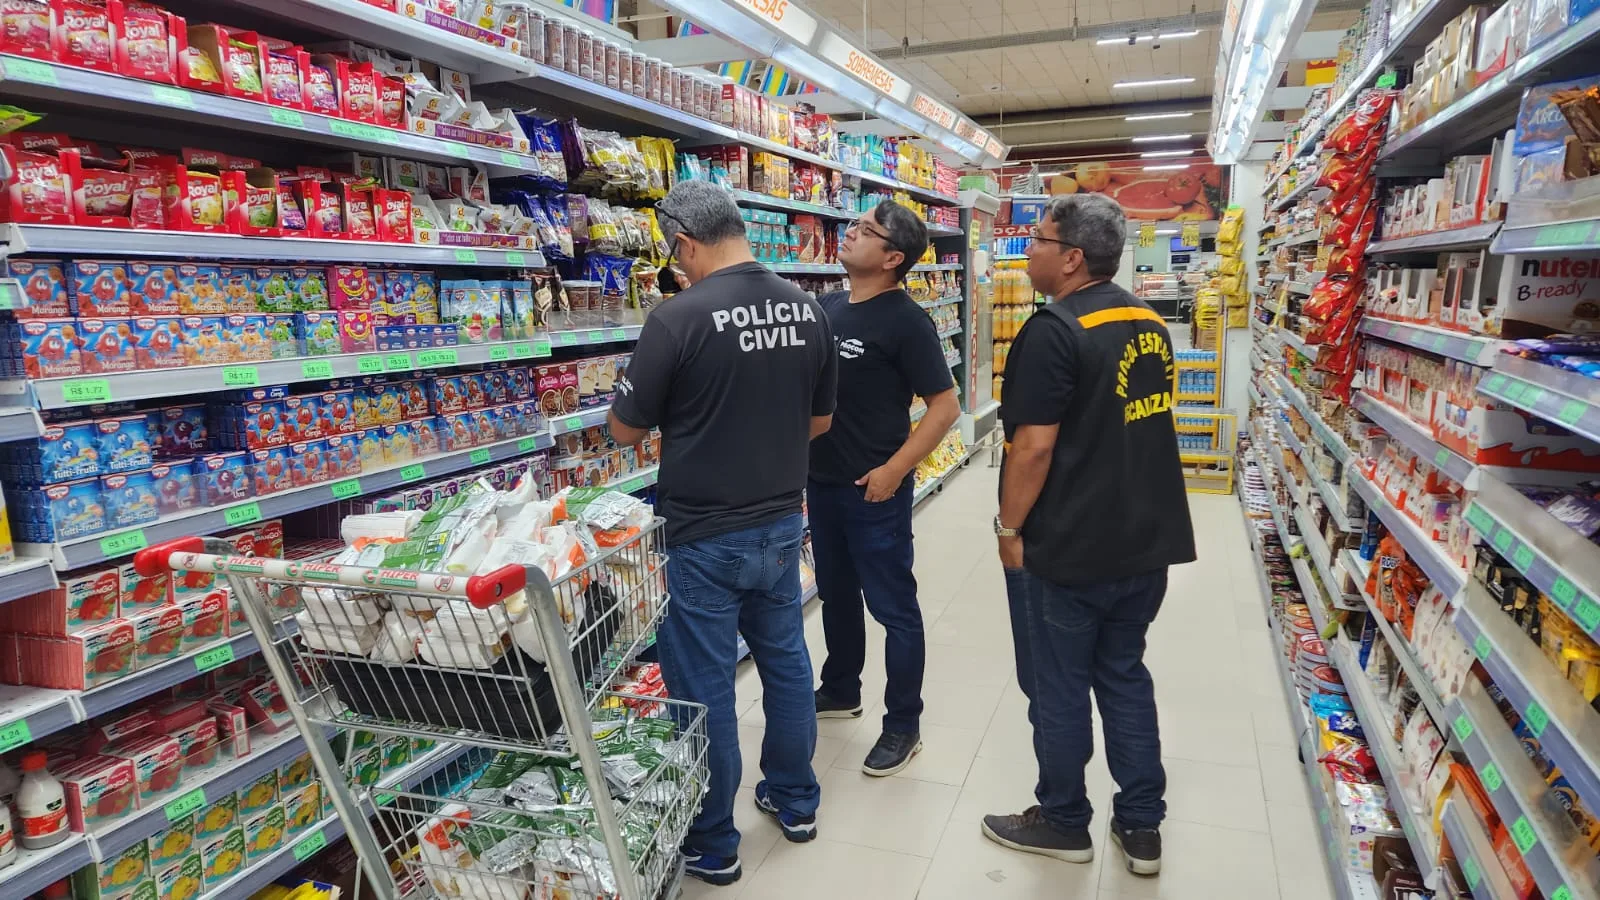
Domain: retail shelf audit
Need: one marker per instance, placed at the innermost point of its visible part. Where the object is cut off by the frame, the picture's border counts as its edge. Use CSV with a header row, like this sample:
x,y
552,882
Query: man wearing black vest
x,y
1092,512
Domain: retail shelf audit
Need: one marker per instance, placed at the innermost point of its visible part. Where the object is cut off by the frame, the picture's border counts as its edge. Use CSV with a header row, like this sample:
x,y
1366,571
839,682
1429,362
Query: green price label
x,y
1523,557
1502,540
27,70
541,348
1483,647
1440,458
527,445
596,337
1469,868
288,117
397,362
185,805
1536,718
14,735
243,514
467,257
523,351
619,334
362,132
86,390
1570,412
573,424
431,358
344,490
1438,342
369,365
478,457
240,376
124,543
1532,395
214,658
383,798
1462,727
1479,518
1563,592
413,472
510,159
316,369
1561,893
457,148
633,484
516,258
1386,81
1571,234
1491,777
567,338
1514,391
499,354
310,846
1494,382
10,298
1522,835
171,96
1587,612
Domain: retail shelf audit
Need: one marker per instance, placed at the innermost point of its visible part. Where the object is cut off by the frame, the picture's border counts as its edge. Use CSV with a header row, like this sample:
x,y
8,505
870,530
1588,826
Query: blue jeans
x,y
743,582
1069,640
865,549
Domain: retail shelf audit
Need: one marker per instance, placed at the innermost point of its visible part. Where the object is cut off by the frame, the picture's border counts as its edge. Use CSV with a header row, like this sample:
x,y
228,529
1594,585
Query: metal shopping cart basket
x,y
557,787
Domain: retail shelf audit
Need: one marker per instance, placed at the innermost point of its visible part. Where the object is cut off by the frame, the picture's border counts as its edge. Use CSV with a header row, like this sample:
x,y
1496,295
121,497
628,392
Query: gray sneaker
x,y
1030,833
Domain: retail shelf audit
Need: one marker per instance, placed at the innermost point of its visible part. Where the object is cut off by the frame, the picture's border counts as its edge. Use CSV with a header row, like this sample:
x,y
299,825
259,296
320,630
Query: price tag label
x,y
467,256
15,735
1438,342
1490,774
596,337
86,390
1522,835
1502,540
499,354
344,490
240,376
1479,518
1442,457
171,96
1561,893
1563,592
510,159
431,358
522,351
618,334
1495,382
1462,727
1587,612
1523,557
316,369
1536,718
369,365
413,472
397,362
27,70
361,132
1386,81
1483,647
574,423
383,798
185,805
1513,391
478,457
1570,412
1571,234
516,258
541,348
243,514
124,543
1469,868
527,445
214,658
633,484
288,117
310,846
456,148
1532,395
567,338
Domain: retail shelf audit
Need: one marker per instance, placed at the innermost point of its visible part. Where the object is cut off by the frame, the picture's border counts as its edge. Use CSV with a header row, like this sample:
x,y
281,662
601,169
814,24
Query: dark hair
x,y
907,233
702,211
1095,224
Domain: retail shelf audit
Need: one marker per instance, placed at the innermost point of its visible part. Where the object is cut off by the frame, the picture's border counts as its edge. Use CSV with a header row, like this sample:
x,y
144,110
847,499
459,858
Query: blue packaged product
x,y
519,382
224,477
70,510
125,444
496,388
177,488
179,430
1540,124
63,453
130,498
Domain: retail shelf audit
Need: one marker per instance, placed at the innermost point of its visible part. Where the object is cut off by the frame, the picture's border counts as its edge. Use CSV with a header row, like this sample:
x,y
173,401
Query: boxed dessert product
x,y
264,833
218,818
157,761
222,857
77,662
84,600
173,843
183,877
117,878
98,789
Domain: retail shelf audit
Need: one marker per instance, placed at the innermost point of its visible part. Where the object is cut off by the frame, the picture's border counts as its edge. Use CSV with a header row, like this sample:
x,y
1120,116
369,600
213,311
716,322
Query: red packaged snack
x,y
1347,227
393,211
98,789
359,93
122,728
157,762
204,619
391,101
84,600
266,706
1342,173
29,28
233,731
360,222
147,41
1362,129
1329,294
158,636
107,345
198,741
74,663
40,189
83,34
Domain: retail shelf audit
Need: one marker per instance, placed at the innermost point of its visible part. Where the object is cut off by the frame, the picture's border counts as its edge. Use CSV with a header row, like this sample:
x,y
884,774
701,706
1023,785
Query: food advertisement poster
x,y
1195,194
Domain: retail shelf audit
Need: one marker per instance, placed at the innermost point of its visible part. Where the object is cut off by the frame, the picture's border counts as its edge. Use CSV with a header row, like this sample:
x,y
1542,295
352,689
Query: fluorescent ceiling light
x,y
1178,34
1155,82
1151,117
1139,39
1161,231
1156,153
1170,167
1152,138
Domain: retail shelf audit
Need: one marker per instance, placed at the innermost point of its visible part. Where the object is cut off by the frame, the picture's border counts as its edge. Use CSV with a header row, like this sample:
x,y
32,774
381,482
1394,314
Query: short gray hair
x,y
1095,224
701,210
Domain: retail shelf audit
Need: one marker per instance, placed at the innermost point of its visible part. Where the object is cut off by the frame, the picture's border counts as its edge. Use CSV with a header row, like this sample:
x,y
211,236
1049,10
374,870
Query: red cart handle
x,y
484,591
153,561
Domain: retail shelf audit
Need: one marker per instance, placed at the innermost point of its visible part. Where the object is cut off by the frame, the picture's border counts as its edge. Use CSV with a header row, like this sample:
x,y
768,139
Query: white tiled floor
x,y
1238,825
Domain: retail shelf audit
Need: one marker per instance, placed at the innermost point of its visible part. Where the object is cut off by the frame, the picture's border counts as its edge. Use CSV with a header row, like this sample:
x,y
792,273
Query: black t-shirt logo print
x,y
851,348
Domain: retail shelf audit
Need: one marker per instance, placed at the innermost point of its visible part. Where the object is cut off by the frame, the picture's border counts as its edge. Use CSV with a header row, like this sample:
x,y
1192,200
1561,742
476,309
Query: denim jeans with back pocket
x,y
743,582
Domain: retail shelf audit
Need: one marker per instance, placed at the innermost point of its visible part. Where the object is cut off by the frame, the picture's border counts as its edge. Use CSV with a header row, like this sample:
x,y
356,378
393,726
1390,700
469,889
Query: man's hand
x,y
881,483
1010,552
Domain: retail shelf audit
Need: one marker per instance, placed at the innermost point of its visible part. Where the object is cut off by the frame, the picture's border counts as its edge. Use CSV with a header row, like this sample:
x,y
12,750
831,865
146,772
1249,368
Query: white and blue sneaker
x,y
797,829
716,870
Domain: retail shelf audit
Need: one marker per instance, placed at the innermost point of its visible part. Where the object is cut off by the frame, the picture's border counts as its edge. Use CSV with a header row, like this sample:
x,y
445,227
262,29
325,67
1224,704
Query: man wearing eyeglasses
x,y
1092,513
859,495
738,372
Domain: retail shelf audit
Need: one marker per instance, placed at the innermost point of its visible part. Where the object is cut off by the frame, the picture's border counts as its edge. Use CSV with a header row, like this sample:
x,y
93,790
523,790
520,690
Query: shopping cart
x,y
561,786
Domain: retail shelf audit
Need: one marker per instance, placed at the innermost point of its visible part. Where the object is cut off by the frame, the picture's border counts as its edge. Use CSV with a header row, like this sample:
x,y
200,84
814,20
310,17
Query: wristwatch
x,y
1002,531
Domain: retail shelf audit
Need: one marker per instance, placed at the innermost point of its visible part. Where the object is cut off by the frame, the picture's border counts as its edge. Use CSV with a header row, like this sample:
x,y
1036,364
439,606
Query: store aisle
x,y
1239,824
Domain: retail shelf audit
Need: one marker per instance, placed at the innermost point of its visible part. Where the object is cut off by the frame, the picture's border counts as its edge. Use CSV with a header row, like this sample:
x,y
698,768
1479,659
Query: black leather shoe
x,y
829,708
891,753
1141,847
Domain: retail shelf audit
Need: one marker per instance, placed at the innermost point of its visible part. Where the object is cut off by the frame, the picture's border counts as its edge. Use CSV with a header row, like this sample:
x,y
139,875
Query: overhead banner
x,y
1196,194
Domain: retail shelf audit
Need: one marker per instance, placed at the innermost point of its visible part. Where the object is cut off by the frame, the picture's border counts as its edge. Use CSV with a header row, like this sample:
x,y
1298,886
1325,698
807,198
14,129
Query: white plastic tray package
x,y
337,639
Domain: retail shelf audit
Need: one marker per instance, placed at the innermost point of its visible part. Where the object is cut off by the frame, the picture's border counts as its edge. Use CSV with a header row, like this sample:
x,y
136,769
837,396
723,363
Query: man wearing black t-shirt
x,y
859,495
1092,512
738,372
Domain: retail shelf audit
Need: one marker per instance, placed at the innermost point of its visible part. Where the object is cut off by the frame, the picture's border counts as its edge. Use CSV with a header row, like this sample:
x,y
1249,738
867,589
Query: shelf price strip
x,y
1550,405
1541,571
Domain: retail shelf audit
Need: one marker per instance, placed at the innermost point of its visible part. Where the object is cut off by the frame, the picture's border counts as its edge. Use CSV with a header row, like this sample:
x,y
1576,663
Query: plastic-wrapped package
x,y
337,639
398,643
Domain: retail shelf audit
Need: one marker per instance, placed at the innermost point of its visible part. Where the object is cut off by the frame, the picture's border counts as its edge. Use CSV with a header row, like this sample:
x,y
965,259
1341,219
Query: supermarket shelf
x,y
19,423
940,301
1419,677
1302,288
953,359
74,240
1546,391
1298,343
584,337
1559,859
1303,188
917,414
936,230
1560,237
1415,822
586,419
34,870
766,201
1570,733
1430,557
633,482
1348,884
1313,595
147,682
1556,559
1450,239
1473,348
1322,558
1326,435
24,577
1273,277
1417,439
920,193
1474,853
932,485
212,520
56,83
951,332
1299,237
1000,256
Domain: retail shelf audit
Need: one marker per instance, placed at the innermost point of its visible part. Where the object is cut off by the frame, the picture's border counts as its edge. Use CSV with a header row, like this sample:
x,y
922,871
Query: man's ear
x,y
890,263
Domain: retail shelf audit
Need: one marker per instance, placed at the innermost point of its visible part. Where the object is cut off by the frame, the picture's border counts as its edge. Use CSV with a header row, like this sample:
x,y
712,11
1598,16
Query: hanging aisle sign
x,y
785,17
862,67
1147,234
